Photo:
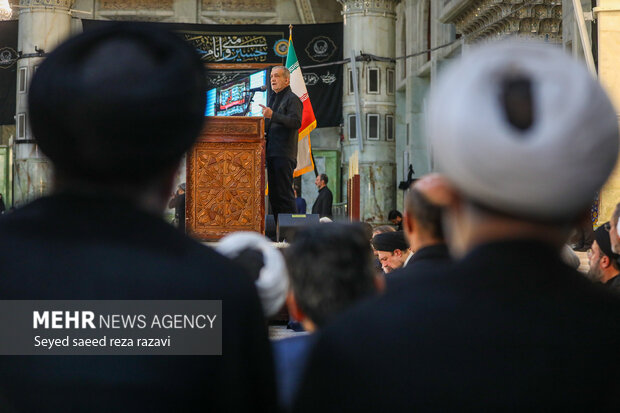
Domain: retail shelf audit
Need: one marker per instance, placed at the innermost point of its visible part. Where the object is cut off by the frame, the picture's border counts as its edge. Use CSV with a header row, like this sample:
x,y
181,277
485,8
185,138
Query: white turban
x,y
548,171
272,283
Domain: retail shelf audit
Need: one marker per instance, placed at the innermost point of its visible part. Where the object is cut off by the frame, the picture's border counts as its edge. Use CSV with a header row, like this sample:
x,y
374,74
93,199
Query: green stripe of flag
x,y
291,57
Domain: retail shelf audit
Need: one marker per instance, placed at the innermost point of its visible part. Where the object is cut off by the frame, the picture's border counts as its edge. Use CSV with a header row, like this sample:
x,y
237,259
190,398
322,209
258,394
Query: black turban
x,y
601,235
124,101
390,241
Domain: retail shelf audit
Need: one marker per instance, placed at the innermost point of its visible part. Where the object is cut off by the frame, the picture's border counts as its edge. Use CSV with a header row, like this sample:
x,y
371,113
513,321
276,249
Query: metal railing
x,y
339,210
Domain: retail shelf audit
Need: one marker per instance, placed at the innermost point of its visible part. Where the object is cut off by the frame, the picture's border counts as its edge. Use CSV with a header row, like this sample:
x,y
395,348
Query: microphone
x,y
257,89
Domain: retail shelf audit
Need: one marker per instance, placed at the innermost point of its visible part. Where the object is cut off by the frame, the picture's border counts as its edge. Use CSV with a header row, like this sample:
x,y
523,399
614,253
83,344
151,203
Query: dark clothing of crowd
x,y
614,284
429,259
477,337
300,203
93,103
290,358
95,248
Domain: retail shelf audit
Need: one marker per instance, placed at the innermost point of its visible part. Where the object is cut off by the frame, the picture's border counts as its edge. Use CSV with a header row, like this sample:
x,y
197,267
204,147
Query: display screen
x,y
232,99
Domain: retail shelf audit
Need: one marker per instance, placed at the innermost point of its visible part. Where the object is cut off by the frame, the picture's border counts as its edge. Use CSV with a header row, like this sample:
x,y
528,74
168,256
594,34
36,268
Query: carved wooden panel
x,y
226,178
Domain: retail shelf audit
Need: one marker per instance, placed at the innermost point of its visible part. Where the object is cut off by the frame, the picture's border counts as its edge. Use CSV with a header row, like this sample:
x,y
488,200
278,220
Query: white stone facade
x,y
369,28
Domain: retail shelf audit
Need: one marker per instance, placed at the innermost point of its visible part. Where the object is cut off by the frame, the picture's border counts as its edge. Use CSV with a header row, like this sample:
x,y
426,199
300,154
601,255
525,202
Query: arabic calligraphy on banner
x,y
230,48
234,52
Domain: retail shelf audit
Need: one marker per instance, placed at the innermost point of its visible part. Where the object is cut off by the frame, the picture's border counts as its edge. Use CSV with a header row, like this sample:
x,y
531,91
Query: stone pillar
x,y
608,13
369,27
42,25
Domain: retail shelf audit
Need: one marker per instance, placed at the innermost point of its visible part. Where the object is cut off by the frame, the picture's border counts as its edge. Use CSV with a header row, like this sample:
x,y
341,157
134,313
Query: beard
x,y
595,274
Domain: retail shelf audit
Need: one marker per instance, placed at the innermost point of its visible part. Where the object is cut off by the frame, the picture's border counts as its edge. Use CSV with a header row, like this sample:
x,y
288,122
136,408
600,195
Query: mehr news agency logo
x,y
55,320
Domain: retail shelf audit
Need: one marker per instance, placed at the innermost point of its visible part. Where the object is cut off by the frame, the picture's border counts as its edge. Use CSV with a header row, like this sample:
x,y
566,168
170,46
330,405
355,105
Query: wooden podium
x,y
226,178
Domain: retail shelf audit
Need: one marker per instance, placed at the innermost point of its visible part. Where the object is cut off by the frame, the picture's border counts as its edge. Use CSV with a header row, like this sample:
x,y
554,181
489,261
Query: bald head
x,y
436,188
423,210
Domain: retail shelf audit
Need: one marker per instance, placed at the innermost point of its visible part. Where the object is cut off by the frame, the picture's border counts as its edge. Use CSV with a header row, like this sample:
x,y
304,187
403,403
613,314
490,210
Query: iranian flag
x,y
308,121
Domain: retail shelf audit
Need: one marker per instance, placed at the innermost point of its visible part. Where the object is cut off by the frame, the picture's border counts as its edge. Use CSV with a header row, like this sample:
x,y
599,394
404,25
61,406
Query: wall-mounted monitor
x,y
232,99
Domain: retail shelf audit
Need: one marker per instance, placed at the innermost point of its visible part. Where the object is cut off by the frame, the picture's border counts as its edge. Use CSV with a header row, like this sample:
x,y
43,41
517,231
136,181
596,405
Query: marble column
x,y
42,25
369,27
608,19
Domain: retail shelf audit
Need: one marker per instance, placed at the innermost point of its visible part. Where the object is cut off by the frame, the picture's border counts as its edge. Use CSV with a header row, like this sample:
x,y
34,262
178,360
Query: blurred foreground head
x,y
330,268
524,136
117,104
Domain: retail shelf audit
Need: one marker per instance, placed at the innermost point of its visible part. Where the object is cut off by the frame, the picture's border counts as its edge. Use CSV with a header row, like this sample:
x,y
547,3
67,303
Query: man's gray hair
x,y
330,268
287,73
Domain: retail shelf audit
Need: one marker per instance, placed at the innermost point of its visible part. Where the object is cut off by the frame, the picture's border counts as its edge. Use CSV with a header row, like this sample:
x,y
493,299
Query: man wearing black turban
x,y
115,109
603,261
392,250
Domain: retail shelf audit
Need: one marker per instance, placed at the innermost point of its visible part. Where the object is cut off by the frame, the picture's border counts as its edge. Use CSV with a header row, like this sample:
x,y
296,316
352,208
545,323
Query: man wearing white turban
x,y
255,253
524,136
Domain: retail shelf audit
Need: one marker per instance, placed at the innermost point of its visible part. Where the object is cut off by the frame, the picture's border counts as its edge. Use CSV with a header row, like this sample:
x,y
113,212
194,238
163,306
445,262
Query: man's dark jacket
x,y
323,203
282,128
70,247
434,258
508,328
614,283
300,203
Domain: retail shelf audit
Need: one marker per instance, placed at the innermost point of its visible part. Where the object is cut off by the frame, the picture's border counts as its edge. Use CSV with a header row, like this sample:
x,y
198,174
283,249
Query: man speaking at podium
x,y
283,120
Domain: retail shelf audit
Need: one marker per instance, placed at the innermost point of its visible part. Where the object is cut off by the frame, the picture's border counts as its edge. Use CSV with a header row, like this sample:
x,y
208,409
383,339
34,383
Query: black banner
x,y
237,51
8,71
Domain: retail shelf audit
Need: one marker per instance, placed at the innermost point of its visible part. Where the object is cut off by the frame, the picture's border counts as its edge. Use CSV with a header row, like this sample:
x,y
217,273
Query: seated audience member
x,y
383,228
330,269
115,109
603,262
392,250
396,218
265,264
423,229
614,231
300,203
509,327
379,230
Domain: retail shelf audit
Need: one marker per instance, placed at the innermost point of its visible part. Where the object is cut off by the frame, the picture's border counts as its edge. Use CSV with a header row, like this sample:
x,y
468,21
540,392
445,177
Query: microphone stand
x,y
247,108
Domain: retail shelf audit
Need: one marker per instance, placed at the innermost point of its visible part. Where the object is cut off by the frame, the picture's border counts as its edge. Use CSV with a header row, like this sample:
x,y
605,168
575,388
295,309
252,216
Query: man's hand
x,y
267,112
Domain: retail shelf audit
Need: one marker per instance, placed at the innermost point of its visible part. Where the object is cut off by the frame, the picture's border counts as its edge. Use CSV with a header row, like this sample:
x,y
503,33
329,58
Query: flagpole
x,y
290,31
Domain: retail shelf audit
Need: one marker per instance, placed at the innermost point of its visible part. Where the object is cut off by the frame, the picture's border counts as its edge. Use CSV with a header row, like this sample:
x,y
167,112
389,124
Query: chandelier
x,y
5,10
